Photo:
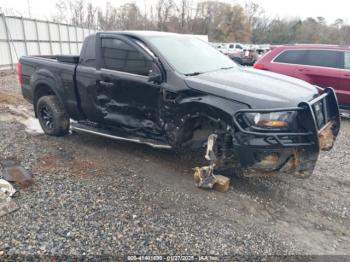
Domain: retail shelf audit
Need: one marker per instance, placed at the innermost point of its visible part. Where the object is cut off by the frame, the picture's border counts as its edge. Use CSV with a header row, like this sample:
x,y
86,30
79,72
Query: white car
x,y
235,48
221,47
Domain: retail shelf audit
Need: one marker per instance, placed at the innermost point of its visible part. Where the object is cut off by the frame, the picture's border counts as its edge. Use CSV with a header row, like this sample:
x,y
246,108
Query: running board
x,y
78,127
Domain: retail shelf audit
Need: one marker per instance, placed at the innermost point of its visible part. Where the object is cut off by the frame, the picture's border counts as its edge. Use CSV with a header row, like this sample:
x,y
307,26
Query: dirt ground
x,y
95,196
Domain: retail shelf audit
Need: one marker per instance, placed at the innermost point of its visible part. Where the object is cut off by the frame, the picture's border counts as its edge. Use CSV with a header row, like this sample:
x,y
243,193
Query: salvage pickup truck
x,y
174,91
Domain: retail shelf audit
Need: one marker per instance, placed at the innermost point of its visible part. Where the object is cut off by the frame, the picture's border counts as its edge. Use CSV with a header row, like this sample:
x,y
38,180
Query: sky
x,y
331,10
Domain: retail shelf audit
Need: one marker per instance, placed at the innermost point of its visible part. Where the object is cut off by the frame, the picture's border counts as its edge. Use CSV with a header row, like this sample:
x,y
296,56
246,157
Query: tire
x,y
52,116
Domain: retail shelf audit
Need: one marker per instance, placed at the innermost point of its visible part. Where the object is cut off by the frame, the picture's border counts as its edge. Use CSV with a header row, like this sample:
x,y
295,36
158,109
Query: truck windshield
x,y
191,56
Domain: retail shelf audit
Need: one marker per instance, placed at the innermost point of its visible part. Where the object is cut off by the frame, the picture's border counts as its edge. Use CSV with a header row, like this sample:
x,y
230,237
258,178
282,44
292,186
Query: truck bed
x,y
71,59
58,72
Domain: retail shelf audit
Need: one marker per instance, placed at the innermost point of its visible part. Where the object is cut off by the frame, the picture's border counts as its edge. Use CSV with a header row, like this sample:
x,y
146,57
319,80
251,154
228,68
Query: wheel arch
x,y
191,112
43,88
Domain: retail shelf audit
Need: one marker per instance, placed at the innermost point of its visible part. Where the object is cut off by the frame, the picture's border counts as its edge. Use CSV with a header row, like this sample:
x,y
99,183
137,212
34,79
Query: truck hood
x,y
257,88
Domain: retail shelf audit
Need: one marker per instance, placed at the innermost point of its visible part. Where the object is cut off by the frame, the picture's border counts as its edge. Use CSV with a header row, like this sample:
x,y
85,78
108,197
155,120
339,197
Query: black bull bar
x,y
267,152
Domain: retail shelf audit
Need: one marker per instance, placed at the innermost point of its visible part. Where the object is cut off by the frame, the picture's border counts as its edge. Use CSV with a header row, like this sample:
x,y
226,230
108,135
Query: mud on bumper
x,y
266,152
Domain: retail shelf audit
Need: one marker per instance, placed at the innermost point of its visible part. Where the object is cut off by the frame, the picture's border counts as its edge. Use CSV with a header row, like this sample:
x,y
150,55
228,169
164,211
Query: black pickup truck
x,y
174,91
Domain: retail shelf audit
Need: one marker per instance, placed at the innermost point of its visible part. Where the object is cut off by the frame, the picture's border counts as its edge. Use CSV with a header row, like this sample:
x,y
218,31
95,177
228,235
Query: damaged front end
x,y
268,142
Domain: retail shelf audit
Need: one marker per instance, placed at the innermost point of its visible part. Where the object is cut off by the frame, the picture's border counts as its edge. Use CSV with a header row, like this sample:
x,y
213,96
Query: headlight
x,y
318,110
274,120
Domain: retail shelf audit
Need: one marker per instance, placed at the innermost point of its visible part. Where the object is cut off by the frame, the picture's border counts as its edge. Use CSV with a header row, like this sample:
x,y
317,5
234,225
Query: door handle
x,y
105,84
303,70
347,75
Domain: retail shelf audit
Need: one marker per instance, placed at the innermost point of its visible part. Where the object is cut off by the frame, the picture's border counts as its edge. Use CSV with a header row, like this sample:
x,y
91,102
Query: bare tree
x,y
62,12
254,13
184,11
76,12
91,19
107,19
164,9
77,8
220,20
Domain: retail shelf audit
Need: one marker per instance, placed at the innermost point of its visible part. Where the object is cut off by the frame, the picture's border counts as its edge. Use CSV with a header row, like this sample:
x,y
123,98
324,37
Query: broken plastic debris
x,y
7,205
222,183
6,189
210,154
204,176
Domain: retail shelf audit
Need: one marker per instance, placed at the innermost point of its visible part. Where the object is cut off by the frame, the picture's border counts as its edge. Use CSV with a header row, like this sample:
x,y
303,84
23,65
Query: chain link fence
x,y
24,36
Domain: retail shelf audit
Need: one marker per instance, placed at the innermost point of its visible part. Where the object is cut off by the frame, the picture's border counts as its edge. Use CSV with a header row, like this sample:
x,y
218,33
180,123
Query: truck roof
x,y
149,34
141,33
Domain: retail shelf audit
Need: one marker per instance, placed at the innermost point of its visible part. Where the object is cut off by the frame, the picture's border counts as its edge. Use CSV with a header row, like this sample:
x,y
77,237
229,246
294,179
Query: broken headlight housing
x,y
285,120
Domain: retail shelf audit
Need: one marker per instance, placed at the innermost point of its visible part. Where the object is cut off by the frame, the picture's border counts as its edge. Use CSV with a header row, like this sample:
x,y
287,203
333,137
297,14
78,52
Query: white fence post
x,y
59,38
37,35
49,32
70,50
8,40
24,36
76,38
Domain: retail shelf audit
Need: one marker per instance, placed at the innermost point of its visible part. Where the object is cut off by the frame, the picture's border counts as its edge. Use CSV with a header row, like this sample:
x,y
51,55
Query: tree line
x,y
221,21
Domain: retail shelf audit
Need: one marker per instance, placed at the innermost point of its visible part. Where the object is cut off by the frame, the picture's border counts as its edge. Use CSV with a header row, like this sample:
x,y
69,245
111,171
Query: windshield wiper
x,y
194,74
228,67
199,73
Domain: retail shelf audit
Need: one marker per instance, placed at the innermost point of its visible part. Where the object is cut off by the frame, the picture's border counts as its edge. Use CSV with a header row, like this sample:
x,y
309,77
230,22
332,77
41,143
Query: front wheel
x,y
52,116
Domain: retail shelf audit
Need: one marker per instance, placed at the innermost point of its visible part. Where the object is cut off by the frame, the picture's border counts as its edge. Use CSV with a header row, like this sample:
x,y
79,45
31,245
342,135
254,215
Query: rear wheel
x,y
52,116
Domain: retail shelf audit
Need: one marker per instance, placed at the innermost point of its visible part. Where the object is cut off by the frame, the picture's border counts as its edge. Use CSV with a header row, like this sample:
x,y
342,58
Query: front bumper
x,y
267,153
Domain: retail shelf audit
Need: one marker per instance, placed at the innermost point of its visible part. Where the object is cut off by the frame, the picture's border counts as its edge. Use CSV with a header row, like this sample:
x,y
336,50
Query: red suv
x,y
321,65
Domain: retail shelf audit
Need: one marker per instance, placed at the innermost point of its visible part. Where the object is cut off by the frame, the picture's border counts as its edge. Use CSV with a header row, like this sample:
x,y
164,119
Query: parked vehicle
x,y
174,91
321,65
242,54
262,50
221,47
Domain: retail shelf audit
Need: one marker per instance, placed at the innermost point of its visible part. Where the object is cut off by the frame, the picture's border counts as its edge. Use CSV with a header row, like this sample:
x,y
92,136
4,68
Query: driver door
x,y
124,96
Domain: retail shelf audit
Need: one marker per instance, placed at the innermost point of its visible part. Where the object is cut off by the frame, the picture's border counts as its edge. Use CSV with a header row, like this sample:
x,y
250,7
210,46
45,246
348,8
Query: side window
x,y
231,46
291,57
347,60
324,58
239,47
120,56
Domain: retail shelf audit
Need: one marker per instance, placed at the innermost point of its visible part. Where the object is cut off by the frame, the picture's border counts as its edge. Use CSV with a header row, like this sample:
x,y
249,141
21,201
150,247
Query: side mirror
x,y
155,78
155,73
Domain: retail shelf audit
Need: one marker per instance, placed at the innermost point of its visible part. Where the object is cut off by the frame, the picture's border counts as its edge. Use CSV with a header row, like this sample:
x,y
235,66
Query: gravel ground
x,y
94,196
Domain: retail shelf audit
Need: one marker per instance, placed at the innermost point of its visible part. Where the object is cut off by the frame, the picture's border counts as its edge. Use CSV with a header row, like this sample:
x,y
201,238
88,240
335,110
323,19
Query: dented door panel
x,y
128,100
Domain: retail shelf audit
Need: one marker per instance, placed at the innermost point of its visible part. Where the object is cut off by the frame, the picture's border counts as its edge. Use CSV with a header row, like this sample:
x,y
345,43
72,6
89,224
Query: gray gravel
x,y
95,196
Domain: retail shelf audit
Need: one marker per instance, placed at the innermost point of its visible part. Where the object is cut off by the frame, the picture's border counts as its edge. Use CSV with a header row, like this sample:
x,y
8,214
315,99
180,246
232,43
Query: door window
x,y
347,60
291,57
324,58
120,56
